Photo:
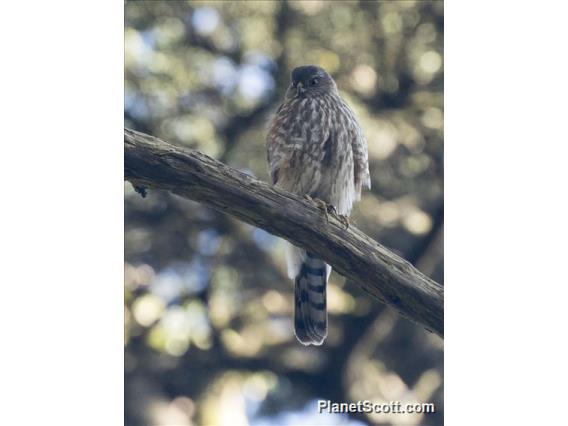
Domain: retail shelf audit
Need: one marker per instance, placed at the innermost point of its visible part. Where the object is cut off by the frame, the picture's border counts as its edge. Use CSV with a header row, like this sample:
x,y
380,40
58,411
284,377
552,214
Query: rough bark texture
x,y
152,163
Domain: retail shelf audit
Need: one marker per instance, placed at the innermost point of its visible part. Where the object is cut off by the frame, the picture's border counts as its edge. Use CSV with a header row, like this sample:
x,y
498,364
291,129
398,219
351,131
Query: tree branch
x,y
152,163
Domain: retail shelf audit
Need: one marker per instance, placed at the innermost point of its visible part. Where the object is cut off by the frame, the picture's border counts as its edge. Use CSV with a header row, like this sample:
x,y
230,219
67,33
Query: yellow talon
x,y
328,209
345,220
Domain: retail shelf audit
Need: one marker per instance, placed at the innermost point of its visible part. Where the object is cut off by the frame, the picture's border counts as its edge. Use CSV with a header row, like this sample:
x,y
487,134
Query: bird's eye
x,y
315,81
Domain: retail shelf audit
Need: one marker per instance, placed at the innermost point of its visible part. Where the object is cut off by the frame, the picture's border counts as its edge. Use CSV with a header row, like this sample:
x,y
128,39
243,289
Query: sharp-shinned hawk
x,y
316,148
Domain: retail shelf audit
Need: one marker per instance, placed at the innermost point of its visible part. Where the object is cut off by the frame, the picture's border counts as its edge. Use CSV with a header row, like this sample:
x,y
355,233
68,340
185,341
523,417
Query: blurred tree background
x,y
208,307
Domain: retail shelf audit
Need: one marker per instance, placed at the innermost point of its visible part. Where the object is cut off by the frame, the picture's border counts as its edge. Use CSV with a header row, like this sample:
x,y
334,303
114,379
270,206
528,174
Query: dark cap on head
x,y
305,73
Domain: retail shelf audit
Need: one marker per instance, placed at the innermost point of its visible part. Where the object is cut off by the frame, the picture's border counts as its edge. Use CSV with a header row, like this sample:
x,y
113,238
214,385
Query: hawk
x,y
316,148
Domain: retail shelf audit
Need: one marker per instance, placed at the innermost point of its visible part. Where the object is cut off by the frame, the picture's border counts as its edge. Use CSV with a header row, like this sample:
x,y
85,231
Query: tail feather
x,y
310,308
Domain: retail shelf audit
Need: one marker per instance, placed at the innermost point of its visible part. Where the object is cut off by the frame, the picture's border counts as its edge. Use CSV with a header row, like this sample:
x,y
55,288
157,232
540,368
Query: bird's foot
x,y
341,217
328,209
320,204
344,220
324,207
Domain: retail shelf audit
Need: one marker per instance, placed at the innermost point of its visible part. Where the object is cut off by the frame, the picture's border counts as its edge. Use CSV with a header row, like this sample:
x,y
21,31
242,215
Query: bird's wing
x,y
361,162
362,178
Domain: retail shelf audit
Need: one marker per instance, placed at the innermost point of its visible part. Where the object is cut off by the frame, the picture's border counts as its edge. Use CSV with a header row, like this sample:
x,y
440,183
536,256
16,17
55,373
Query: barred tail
x,y
310,308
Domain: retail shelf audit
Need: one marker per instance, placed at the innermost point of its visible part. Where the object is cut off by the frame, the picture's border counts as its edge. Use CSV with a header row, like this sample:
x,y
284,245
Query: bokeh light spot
x,y
205,20
431,62
147,309
417,222
364,79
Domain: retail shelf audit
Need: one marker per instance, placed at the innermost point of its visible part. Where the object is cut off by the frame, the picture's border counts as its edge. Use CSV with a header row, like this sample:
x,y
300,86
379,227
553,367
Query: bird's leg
x,y
320,204
331,209
323,206
342,218
328,209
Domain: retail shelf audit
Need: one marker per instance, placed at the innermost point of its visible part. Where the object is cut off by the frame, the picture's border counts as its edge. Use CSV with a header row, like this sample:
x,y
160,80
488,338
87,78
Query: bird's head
x,y
310,81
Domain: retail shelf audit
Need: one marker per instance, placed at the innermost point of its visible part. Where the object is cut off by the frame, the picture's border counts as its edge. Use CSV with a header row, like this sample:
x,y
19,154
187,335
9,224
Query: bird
x,y
316,148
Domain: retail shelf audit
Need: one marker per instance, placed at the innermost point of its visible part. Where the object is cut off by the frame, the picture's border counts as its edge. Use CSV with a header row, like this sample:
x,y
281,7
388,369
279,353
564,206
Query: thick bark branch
x,y
153,163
